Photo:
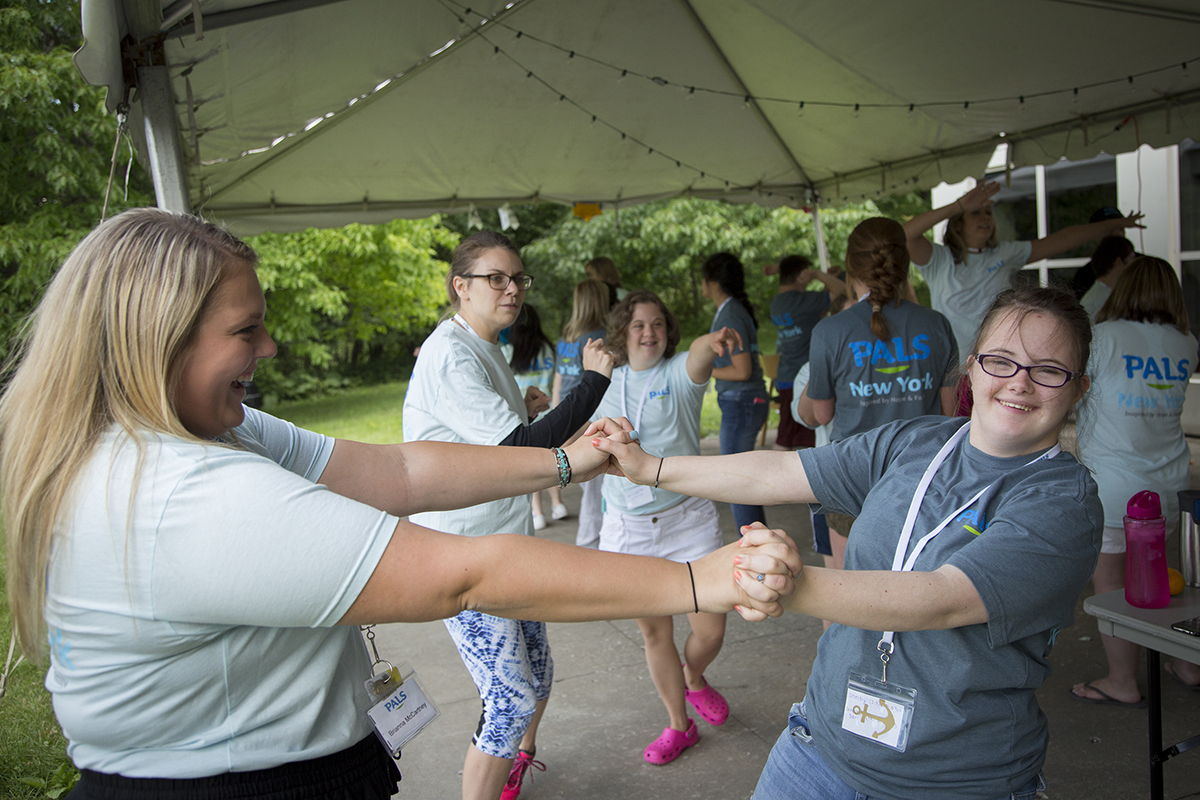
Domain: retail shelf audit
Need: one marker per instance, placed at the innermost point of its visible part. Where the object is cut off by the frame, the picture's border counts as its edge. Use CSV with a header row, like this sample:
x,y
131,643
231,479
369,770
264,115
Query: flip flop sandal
x,y
1169,668
666,748
1106,698
709,704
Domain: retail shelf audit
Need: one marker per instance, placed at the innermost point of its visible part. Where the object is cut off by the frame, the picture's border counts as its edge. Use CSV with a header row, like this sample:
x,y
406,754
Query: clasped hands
x,y
764,564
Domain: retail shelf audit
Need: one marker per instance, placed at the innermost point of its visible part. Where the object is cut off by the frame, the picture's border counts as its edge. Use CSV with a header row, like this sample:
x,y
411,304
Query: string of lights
x,y
855,106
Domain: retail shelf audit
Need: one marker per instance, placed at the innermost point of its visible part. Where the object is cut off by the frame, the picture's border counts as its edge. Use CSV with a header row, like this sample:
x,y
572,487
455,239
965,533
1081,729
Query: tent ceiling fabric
x,y
364,110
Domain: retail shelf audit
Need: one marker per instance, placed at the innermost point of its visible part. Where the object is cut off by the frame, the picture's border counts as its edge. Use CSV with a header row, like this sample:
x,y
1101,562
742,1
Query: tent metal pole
x,y
162,139
822,251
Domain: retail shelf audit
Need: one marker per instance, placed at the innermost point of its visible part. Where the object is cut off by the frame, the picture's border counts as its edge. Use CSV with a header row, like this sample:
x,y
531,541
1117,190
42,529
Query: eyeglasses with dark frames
x,y
1002,367
499,281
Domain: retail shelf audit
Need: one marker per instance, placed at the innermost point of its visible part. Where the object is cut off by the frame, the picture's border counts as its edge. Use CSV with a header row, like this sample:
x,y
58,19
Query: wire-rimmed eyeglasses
x,y
499,280
1042,375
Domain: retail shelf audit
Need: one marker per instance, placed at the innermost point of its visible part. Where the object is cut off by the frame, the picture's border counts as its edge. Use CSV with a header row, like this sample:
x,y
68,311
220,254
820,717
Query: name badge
x,y
403,709
637,496
878,711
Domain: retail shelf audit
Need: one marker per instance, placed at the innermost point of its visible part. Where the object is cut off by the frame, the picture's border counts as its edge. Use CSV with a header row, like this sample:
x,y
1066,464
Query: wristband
x,y
564,467
659,473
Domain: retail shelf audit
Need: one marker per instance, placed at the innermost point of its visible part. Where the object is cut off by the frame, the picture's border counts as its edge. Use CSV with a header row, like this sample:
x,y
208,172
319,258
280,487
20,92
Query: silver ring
x,y
759,578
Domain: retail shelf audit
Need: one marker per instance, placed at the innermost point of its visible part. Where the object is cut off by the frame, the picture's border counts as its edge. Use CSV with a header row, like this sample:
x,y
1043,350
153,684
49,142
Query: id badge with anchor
x,y
400,709
878,711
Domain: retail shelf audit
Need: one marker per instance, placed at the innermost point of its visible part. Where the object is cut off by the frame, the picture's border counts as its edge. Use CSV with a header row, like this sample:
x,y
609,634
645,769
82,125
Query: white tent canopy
x,y
295,113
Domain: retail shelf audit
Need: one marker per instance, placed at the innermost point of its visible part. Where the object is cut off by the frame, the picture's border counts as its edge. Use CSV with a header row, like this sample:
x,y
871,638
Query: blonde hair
x,y
104,347
590,310
1147,291
602,268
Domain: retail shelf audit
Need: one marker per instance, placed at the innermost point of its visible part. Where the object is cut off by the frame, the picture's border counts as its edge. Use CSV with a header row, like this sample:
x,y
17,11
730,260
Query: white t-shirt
x,y
193,631
669,424
1130,433
462,390
964,292
1094,298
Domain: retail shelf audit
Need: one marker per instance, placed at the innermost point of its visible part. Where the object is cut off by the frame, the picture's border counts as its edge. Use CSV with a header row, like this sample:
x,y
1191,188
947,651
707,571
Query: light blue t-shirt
x,y
1028,546
462,390
195,633
1130,430
669,424
568,361
964,292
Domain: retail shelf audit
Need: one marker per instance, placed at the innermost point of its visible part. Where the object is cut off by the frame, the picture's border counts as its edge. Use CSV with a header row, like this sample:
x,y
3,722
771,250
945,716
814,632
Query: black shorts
x,y
363,771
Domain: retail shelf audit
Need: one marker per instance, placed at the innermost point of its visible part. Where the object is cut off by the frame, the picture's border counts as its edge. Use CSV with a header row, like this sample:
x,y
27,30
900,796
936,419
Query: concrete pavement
x,y
604,709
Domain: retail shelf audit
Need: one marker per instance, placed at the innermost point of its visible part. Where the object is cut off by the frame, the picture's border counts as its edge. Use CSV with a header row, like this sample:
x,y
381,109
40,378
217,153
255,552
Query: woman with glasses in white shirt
x,y
463,390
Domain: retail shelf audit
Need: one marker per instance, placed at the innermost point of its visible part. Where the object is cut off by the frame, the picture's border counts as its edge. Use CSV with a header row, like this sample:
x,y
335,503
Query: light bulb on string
x,y
800,110
966,106
856,110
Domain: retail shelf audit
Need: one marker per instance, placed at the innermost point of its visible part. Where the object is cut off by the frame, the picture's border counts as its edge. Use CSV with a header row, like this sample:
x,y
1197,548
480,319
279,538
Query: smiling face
x,y
223,351
978,226
646,338
489,311
1015,416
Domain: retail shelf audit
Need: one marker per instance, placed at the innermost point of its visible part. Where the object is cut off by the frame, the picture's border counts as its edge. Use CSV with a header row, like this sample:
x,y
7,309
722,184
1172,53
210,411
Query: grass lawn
x,y
373,413
33,752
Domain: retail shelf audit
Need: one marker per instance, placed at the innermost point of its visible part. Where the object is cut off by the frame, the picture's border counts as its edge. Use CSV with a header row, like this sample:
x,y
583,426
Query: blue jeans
x,y
796,771
743,415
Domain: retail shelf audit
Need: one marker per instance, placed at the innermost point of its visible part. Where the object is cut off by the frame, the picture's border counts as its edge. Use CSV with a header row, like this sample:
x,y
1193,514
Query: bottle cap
x,y
1144,505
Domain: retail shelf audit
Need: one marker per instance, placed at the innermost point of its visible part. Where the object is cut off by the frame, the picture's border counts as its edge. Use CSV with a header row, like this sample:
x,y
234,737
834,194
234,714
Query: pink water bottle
x,y
1146,584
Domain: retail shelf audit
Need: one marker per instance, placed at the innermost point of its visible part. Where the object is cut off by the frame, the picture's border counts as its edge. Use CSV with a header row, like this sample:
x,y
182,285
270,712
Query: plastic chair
x,y
770,368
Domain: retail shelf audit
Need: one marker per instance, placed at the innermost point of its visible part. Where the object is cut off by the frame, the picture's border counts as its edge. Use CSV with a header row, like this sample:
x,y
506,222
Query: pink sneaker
x,y
666,748
524,761
709,704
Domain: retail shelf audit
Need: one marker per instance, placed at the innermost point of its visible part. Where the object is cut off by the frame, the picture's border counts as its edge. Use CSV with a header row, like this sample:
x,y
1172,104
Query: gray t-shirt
x,y
1028,545
568,361
795,314
964,292
876,381
733,315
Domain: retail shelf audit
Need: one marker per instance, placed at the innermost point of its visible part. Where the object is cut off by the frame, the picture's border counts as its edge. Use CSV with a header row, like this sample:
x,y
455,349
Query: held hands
x,y
597,358
587,460
536,401
770,554
628,459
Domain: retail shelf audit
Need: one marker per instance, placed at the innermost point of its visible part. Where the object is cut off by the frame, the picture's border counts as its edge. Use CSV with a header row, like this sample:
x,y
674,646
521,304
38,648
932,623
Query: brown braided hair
x,y
877,257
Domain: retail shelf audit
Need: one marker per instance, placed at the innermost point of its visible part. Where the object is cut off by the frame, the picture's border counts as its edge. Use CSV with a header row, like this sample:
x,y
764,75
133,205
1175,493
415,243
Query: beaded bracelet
x,y
564,467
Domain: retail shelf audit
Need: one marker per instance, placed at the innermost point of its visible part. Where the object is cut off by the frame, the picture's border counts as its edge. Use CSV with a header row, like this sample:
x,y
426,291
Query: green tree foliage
x,y
661,246
56,142
349,302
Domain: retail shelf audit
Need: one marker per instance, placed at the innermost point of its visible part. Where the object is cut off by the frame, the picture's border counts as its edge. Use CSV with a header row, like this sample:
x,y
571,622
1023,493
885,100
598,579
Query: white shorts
x,y
684,532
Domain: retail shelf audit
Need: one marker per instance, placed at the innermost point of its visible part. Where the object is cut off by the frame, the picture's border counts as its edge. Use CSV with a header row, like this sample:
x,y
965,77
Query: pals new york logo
x,y
1159,374
890,358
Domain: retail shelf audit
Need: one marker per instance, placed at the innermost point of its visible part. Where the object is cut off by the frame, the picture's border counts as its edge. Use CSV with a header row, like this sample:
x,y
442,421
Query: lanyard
x,y
902,564
466,325
645,392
